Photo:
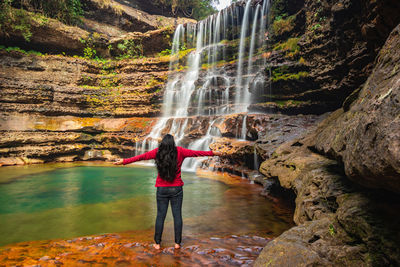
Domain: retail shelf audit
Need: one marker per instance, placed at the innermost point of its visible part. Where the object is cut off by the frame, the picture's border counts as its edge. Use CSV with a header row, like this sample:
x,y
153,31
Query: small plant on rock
x,y
130,49
332,230
89,52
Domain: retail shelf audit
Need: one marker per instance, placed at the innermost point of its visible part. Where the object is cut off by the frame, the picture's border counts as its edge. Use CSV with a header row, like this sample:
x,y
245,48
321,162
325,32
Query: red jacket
x,y
182,154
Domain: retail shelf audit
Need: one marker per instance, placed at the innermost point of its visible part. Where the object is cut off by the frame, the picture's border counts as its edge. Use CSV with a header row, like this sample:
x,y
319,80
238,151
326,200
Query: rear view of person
x,y
169,183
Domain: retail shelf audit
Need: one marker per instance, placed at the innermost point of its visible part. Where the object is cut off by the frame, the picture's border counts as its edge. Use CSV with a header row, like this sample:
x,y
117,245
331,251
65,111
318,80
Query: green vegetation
x,y
318,14
14,17
168,31
184,53
278,9
89,52
289,76
165,52
282,73
154,83
106,89
290,45
130,49
288,103
13,14
14,20
108,4
40,19
197,9
17,49
214,64
290,48
281,26
332,230
315,26
66,11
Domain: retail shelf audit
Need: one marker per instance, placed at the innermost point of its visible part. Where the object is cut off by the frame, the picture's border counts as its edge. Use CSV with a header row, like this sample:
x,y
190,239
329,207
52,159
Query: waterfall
x,y
256,163
244,128
244,29
214,64
200,144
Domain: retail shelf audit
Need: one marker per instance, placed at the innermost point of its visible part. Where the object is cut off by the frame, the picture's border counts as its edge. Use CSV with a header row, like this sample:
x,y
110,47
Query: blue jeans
x,y
164,196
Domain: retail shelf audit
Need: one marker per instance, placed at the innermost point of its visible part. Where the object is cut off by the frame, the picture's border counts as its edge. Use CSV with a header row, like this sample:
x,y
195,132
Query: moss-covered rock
x,y
336,42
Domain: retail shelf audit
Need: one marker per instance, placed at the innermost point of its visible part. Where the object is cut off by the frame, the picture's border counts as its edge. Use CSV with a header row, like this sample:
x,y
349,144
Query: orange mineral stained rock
x,y
134,249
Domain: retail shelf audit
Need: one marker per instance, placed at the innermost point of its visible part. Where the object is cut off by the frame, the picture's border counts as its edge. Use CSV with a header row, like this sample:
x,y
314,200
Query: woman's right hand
x,y
118,162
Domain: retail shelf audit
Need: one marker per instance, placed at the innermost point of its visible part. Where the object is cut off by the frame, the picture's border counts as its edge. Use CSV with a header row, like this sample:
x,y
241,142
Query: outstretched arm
x,y
145,156
196,153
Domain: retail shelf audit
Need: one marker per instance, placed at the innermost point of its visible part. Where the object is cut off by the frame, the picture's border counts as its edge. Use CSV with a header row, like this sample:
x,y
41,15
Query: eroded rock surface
x,y
341,223
58,108
338,223
322,52
56,85
366,138
105,25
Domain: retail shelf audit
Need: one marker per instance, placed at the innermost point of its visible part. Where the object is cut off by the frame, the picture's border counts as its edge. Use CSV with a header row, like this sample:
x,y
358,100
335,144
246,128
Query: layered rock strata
x,y
57,108
57,85
321,51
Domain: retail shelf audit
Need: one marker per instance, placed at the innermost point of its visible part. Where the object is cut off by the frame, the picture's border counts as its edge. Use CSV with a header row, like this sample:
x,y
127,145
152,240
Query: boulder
x,y
337,223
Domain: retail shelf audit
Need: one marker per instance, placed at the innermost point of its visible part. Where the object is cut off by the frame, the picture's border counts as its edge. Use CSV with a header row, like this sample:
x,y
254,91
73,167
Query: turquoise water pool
x,y
72,201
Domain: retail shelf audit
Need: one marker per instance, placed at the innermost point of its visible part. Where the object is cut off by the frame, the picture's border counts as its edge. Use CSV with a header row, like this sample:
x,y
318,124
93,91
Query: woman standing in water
x,y
169,183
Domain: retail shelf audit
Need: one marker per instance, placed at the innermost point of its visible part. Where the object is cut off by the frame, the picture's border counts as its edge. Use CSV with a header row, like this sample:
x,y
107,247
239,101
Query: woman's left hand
x,y
119,162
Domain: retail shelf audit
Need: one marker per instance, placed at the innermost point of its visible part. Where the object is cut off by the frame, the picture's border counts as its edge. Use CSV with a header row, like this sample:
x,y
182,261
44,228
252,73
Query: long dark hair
x,y
166,158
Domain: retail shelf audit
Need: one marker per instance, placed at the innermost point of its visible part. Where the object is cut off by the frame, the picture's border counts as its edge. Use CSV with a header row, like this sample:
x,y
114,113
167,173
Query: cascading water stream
x,y
239,78
214,64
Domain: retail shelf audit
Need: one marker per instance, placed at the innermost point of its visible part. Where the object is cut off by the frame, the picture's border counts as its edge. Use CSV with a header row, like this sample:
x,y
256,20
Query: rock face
x,y
264,133
321,51
58,108
57,85
105,25
366,138
339,222
35,138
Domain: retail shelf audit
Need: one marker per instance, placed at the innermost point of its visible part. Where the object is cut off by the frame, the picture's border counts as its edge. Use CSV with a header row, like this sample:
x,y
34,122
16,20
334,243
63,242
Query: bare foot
x,y
157,246
177,246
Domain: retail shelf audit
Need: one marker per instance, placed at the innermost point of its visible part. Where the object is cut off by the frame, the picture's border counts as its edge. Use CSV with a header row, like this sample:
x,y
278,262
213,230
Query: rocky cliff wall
x,y
340,222
321,51
59,108
365,135
58,85
110,28
81,92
